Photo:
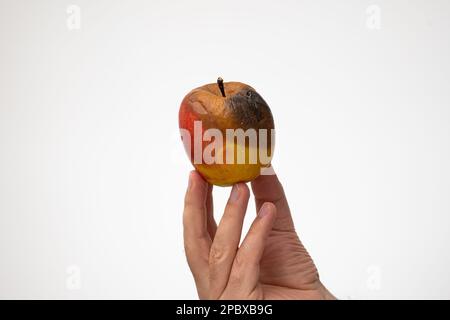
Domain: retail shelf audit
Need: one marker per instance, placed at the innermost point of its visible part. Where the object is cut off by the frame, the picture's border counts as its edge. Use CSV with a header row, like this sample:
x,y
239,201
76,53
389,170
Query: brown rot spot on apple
x,y
250,109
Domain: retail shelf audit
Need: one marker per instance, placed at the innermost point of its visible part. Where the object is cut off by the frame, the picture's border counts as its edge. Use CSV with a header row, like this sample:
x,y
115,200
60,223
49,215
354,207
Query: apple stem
x,y
221,87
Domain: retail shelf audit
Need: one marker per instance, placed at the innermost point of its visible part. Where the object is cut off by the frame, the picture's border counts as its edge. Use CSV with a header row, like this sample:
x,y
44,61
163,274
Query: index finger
x,y
197,241
267,188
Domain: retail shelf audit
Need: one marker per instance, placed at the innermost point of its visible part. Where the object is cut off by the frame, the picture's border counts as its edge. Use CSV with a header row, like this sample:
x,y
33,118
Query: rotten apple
x,y
228,132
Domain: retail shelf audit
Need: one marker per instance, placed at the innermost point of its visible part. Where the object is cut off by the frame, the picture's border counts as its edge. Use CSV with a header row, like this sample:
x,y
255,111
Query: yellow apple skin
x,y
239,106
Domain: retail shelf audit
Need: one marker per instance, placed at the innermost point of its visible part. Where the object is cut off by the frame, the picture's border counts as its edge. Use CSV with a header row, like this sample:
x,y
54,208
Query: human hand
x,y
270,263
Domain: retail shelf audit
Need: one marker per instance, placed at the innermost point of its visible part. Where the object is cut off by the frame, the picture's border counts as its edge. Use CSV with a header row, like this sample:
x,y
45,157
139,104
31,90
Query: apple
x,y
228,132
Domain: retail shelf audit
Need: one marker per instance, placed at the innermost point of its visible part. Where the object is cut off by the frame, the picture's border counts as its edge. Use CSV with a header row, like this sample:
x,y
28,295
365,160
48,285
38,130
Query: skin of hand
x,y
270,262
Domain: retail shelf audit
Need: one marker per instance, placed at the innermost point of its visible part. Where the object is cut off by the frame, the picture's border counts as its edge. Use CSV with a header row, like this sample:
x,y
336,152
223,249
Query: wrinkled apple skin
x,y
241,108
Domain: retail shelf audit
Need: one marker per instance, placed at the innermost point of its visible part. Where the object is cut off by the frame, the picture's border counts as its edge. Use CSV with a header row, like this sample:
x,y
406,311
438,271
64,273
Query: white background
x,y
92,172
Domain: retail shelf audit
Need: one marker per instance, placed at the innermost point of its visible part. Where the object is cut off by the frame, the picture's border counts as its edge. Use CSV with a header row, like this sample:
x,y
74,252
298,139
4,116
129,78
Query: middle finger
x,y
226,241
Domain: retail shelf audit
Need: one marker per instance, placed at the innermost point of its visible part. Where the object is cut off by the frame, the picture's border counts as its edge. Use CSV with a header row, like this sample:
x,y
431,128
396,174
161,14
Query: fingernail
x,y
234,193
264,211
